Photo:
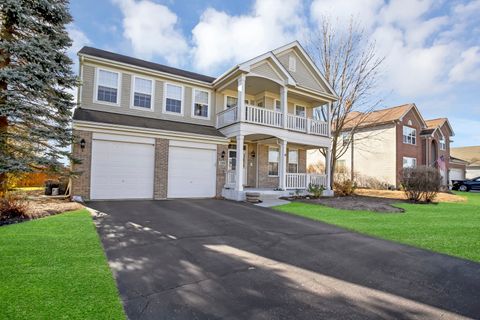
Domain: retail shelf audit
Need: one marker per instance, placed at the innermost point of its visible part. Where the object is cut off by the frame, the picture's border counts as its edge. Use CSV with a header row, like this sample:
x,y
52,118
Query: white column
x,y
282,167
329,118
239,166
328,165
241,98
284,104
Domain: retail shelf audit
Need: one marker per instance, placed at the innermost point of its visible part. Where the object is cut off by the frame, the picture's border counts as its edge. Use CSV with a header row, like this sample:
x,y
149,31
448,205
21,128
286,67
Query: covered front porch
x,y
271,166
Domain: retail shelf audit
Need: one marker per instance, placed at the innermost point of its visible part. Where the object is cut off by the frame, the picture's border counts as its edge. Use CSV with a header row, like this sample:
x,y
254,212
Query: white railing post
x,y
309,124
239,164
282,185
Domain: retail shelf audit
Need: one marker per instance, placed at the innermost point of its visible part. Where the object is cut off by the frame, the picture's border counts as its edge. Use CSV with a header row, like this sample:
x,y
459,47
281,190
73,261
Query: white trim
x,y
182,106
146,132
119,87
132,93
245,66
403,135
195,145
278,162
134,69
209,104
122,138
409,158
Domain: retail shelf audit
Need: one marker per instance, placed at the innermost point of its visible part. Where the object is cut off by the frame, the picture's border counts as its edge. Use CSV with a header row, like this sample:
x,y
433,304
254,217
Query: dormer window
x,y
292,63
108,83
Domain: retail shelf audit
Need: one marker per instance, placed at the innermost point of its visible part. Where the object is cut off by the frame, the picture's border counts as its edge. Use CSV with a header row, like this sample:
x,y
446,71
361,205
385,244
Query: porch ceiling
x,y
256,85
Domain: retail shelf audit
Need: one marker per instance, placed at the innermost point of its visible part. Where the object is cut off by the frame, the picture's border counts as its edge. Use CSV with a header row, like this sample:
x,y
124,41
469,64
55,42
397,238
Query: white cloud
x,y
152,30
468,68
79,39
220,39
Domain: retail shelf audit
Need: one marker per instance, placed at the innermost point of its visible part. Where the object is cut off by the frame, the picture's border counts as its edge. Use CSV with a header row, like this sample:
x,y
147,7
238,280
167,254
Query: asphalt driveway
x,y
214,259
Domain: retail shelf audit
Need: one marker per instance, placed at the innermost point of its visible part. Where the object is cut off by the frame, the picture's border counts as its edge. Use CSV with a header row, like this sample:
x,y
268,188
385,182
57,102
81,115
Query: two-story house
x,y
386,141
149,131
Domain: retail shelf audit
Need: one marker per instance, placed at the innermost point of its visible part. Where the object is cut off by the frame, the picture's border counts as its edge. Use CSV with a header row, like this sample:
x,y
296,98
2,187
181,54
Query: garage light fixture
x,y
252,154
223,154
82,144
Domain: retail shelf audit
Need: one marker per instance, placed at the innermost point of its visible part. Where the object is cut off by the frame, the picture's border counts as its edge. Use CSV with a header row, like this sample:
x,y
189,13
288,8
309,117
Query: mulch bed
x,y
356,203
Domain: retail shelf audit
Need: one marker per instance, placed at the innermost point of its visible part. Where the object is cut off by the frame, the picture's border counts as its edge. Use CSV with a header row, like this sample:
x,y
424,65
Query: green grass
x,y
55,268
450,228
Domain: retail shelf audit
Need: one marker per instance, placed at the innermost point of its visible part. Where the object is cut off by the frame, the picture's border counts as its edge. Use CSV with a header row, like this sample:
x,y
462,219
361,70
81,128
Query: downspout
x,y
352,160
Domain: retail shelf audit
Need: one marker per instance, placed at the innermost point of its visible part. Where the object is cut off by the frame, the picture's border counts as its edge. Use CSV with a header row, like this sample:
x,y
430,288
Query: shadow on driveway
x,y
213,259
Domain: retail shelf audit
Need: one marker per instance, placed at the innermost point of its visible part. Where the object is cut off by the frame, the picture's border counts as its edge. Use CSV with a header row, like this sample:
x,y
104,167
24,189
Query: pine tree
x,y
36,79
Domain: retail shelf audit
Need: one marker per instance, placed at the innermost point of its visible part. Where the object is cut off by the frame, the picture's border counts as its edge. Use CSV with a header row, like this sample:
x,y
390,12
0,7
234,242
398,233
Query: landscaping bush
x,y
13,206
315,190
421,183
344,187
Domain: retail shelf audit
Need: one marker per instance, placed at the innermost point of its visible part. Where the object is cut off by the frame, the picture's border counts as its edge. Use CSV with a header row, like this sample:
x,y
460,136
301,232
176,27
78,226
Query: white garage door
x,y
122,170
191,172
456,174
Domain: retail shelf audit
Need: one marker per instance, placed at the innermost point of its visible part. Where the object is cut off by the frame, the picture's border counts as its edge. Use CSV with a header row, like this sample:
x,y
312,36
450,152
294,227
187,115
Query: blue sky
x,y
432,48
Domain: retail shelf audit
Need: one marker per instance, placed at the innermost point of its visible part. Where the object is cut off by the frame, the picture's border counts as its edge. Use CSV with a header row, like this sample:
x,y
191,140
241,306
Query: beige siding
x,y
302,75
88,99
374,155
265,70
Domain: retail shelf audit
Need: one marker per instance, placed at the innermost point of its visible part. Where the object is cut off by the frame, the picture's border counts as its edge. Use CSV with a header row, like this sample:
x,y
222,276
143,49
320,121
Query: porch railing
x,y
303,180
318,127
264,116
296,123
227,117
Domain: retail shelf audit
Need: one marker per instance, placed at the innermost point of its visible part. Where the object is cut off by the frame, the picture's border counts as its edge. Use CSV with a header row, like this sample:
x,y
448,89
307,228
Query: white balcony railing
x,y
303,180
272,118
264,116
227,117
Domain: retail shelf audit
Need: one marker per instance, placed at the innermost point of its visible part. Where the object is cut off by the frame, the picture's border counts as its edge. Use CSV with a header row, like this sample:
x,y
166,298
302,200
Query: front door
x,y
232,161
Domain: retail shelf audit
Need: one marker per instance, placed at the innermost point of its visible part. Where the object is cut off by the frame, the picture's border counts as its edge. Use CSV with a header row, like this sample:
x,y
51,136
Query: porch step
x,y
252,197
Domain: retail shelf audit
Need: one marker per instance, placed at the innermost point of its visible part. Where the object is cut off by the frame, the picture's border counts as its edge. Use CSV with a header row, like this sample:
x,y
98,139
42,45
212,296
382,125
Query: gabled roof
x,y
94,52
379,117
438,123
269,55
470,154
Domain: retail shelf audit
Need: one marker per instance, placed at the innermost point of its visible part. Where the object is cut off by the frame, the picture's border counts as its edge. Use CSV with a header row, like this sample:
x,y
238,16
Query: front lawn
x,y
451,228
55,268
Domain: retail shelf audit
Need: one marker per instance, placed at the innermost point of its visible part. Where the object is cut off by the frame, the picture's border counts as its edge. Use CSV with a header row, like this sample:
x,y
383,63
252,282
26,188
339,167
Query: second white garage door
x,y
456,174
191,171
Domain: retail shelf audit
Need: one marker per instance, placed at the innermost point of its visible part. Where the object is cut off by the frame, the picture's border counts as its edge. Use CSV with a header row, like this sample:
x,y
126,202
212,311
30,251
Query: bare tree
x,y
351,66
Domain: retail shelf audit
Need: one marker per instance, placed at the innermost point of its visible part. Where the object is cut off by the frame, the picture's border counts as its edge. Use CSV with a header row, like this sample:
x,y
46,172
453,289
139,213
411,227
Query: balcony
x,y
272,118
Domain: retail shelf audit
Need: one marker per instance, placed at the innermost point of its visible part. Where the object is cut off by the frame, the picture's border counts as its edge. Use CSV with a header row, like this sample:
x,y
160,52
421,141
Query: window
x,y
260,103
278,105
200,103
231,102
443,145
409,135
300,111
173,98
292,161
142,93
107,86
273,156
341,164
345,138
409,162
292,63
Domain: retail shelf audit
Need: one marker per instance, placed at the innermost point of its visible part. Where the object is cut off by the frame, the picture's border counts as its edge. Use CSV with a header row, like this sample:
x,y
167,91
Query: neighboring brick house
x,y
386,141
149,131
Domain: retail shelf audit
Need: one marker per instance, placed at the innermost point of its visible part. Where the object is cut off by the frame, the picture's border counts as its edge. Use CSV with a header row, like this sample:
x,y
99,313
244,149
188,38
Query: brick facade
x,y
160,184
81,182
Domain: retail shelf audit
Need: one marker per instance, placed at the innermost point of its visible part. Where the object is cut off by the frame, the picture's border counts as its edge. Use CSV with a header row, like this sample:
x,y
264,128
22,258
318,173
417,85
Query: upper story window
x,y
409,162
173,98
409,135
293,161
200,103
345,138
273,157
300,111
292,63
107,86
142,93
278,105
231,102
443,144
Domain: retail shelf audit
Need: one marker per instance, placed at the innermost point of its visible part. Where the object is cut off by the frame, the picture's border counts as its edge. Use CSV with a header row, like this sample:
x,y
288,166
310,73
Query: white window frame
x,y
409,158
403,136
182,106
289,159
225,97
292,63
305,110
275,105
119,87
208,104
132,93
268,161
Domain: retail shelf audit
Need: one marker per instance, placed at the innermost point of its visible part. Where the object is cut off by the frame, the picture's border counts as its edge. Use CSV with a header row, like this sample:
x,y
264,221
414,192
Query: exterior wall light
x,y
223,154
82,144
252,154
